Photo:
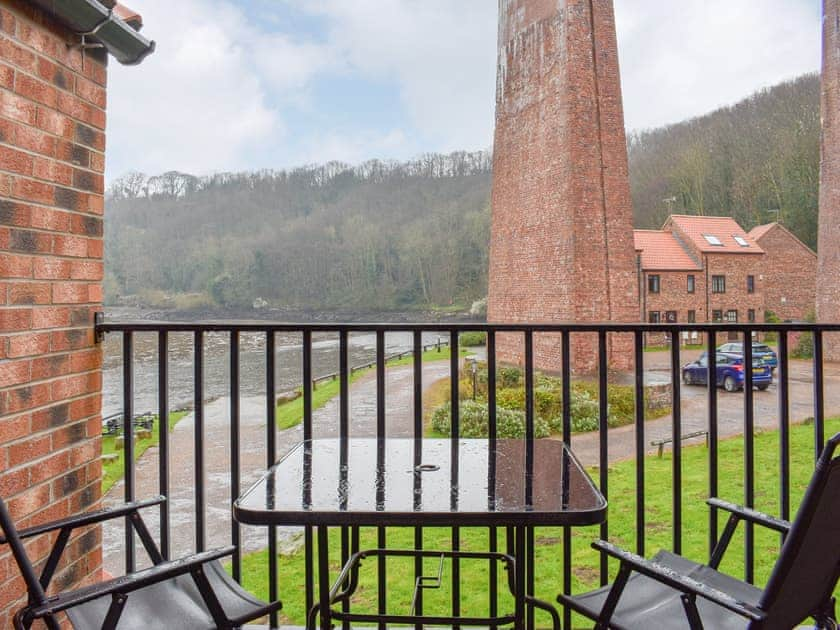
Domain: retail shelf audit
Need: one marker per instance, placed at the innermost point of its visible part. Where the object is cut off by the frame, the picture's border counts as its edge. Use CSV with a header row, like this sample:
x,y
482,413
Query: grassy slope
x,y
549,553
113,471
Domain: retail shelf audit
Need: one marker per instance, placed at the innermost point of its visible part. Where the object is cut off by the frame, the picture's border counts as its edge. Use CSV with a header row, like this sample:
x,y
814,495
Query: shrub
x,y
469,339
509,377
511,398
474,421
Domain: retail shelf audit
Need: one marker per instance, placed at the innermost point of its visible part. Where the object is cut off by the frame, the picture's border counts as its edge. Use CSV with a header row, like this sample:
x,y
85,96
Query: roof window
x,y
741,241
713,240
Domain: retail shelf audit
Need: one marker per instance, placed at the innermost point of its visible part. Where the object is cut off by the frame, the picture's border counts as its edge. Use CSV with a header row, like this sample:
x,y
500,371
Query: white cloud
x,y
441,55
211,93
683,59
221,91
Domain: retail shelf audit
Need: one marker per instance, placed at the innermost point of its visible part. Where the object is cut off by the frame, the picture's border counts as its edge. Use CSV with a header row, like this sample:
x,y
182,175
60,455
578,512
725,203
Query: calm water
x,y
252,359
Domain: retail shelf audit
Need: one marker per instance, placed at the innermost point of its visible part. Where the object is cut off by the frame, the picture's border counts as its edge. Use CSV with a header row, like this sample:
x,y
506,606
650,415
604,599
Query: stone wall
x,y
52,142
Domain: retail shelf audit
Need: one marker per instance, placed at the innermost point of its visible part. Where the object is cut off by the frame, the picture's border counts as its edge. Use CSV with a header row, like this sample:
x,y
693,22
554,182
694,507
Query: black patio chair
x,y
189,593
672,592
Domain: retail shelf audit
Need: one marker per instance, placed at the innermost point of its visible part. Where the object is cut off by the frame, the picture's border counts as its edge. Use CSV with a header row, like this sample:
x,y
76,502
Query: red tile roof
x,y
760,230
661,251
696,228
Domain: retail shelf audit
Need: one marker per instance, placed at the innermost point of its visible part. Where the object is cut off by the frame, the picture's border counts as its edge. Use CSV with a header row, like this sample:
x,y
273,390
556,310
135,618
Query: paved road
x,y
694,408
399,409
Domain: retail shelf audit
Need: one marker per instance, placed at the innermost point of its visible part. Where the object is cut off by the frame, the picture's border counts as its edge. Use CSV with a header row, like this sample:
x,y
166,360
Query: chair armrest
x,y
750,515
128,583
678,581
88,518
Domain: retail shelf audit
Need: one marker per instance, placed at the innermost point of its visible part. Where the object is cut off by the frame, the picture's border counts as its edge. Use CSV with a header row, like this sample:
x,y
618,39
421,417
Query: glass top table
x,y
406,482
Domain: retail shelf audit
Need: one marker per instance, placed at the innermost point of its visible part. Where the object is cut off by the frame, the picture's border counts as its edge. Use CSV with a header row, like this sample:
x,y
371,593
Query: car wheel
x,y
730,384
687,379
763,386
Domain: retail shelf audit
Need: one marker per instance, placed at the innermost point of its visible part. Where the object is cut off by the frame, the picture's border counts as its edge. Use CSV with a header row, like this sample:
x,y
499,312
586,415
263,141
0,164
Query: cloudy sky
x,y
247,84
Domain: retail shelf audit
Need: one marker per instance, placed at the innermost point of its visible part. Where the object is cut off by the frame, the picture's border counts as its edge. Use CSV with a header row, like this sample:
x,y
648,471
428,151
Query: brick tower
x,y
828,248
561,247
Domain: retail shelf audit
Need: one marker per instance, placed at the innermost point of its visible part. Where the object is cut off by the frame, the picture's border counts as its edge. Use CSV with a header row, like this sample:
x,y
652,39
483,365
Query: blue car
x,y
760,351
730,372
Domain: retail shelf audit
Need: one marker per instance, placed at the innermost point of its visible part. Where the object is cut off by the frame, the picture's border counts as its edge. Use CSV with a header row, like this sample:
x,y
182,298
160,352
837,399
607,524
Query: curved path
x,y
399,409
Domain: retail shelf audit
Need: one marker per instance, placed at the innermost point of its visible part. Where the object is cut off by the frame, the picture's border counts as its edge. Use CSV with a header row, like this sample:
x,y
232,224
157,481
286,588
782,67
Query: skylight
x,y
712,239
741,241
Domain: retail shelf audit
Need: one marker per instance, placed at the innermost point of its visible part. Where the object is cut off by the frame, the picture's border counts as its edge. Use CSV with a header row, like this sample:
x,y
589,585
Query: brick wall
x,y
828,248
790,274
52,142
561,247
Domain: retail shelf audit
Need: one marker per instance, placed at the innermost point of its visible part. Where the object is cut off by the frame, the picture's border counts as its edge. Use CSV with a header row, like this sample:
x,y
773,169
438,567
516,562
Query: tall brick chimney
x,y
828,266
561,247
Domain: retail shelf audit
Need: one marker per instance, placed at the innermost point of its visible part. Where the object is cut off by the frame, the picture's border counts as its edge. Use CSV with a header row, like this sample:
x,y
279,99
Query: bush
x,y
469,339
474,421
511,399
509,377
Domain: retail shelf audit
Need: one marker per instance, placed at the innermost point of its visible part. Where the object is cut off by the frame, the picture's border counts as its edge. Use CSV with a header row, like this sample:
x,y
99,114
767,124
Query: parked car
x,y
759,351
729,372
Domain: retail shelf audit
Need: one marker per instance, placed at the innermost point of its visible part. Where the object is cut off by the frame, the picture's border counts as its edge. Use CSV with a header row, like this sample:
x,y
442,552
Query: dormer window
x,y
741,241
713,240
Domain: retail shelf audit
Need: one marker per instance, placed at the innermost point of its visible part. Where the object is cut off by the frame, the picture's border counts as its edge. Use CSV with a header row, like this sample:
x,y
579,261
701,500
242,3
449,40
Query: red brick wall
x,y
674,296
561,245
790,274
52,142
828,248
735,268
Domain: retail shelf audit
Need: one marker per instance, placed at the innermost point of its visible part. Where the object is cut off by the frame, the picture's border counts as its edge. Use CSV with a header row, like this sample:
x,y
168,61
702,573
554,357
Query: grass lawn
x,y
113,471
585,562
290,413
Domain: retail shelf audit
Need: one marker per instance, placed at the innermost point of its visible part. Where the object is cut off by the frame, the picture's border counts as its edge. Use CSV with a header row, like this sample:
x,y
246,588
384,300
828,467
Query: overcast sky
x,y
248,84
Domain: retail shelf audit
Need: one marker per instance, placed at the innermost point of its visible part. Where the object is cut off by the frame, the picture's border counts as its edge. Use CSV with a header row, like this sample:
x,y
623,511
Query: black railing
x,y
528,334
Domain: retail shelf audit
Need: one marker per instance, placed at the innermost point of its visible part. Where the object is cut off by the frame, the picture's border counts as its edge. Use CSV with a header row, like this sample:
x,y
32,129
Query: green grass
x,y
549,553
290,413
113,471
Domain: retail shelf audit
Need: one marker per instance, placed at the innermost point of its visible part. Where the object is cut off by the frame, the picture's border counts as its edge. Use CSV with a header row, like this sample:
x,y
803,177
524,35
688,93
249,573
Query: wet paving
x,y
399,413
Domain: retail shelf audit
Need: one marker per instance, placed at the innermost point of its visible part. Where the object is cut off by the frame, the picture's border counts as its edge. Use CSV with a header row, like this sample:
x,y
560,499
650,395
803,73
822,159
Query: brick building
x,y
708,269
790,272
828,246
561,238
52,143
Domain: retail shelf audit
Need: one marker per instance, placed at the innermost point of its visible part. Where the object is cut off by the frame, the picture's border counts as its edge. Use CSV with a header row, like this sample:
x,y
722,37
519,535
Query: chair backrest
x,y
809,563
34,589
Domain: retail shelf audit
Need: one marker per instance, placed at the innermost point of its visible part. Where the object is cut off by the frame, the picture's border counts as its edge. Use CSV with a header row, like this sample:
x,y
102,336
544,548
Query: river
x,y
252,363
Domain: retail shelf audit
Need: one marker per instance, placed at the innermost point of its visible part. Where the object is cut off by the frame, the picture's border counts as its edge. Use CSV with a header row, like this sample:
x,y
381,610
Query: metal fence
x,y
713,334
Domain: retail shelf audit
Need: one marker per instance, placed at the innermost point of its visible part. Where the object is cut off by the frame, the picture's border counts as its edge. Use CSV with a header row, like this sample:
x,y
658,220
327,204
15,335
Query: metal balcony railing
x,y
342,334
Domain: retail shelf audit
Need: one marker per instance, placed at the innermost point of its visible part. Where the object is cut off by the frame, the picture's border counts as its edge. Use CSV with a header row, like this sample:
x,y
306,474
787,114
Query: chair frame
x,y
46,607
691,589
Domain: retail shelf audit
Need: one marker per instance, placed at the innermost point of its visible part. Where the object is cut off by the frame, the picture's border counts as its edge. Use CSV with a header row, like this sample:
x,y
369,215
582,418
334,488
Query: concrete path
x,y
399,410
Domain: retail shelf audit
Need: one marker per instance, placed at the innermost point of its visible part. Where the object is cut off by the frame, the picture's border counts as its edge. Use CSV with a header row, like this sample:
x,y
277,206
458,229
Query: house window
x,y
741,241
653,284
653,317
717,316
671,317
732,316
692,317
751,315
690,283
750,284
718,284
711,239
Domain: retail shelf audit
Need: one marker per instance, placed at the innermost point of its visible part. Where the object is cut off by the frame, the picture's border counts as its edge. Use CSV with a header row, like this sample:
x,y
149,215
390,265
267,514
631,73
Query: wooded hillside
x,y
385,235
